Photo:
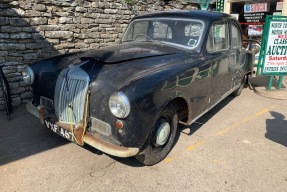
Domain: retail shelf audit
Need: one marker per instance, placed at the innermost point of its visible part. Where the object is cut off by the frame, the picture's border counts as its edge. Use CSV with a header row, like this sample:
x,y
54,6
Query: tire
x,y
161,140
238,91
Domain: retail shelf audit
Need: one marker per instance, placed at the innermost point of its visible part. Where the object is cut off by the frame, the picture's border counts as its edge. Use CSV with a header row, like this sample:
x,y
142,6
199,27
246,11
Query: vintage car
x,y
128,99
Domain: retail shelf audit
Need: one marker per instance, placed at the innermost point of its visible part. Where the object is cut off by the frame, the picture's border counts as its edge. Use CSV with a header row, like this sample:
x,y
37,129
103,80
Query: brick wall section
x,y
37,29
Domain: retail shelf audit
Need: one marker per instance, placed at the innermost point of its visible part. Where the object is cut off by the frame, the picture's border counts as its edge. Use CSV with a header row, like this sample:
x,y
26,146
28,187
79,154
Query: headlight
x,y
119,105
28,75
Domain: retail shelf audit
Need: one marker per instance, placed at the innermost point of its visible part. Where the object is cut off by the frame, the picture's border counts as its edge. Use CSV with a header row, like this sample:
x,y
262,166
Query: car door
x,y
236,60
218,50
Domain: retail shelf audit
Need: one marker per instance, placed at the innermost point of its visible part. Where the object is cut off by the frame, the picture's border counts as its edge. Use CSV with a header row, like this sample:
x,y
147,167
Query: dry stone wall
x,y
31,30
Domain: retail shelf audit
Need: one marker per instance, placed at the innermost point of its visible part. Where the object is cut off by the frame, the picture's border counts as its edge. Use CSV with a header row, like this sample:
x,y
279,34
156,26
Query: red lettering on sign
x,y
262,7
282,36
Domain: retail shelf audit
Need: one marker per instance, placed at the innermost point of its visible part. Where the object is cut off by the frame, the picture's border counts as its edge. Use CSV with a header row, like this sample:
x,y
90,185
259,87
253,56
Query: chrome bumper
x,y
94,141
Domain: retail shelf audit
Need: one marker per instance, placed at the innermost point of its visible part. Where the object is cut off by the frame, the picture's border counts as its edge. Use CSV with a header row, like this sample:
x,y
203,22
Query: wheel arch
x,y
149,154
182,107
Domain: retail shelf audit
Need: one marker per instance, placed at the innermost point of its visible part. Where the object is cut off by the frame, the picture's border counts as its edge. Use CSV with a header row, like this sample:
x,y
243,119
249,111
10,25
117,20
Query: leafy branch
x,y
130,2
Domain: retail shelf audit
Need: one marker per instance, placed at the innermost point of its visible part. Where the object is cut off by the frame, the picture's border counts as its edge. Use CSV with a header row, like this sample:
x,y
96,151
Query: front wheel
x,y
161,140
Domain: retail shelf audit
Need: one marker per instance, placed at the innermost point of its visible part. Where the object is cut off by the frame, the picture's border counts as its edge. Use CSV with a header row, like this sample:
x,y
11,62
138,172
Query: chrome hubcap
x,y
162,133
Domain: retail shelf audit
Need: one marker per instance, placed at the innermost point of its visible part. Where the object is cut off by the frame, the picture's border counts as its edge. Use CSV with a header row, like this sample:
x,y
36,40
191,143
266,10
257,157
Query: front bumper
x,y
90,138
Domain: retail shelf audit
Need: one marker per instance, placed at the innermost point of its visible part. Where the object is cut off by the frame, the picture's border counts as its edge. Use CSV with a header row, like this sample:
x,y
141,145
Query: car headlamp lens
x,y
28,76
119,105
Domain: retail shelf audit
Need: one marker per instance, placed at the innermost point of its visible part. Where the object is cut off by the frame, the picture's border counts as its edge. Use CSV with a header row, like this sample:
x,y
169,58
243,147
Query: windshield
x,y
181,32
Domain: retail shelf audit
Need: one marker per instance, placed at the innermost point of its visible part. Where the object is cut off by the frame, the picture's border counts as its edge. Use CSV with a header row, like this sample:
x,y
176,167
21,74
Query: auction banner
x,y
274,61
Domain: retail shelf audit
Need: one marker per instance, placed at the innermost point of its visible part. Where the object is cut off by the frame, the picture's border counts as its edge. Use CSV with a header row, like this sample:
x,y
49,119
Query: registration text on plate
x,y
59,130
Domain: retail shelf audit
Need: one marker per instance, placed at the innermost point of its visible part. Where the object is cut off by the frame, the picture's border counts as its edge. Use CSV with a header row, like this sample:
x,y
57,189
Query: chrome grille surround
x,y
71,89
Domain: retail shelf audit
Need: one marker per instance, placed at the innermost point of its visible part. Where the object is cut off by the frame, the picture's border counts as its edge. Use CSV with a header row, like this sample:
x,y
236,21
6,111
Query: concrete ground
x,y
260,83
238,146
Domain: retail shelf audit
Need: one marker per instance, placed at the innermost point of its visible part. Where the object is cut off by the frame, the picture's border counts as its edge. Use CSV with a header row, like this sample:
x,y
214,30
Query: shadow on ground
x,y
277,128
24,136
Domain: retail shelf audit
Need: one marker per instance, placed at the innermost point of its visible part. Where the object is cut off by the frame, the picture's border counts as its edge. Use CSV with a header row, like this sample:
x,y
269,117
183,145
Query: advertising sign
x,y
254,17
255,30
279,6
255,8
254,14
275,57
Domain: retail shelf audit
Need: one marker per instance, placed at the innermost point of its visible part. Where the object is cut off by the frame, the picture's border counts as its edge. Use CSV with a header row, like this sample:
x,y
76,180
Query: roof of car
x,y
204,15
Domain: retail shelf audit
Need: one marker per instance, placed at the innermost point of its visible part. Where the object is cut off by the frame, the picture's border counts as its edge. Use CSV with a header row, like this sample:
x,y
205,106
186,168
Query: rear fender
x,y
249,59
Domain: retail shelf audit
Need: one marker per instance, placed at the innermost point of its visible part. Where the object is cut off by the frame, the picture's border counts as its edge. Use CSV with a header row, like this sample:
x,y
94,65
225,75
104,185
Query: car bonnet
x,y
130,51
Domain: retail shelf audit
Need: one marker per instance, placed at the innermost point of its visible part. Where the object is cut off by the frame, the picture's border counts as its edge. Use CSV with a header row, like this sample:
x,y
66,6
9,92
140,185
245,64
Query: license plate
x,y
60,131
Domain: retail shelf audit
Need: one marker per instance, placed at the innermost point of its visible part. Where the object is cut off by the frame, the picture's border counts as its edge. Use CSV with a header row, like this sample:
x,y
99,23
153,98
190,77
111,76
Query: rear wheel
x,y
161,140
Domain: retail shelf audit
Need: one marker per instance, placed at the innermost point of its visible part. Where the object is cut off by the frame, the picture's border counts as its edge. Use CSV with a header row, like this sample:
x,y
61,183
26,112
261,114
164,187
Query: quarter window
x,y
235,37
218,37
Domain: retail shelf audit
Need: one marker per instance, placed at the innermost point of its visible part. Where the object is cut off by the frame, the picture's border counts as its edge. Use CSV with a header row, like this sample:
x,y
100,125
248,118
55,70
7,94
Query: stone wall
x,y
36,29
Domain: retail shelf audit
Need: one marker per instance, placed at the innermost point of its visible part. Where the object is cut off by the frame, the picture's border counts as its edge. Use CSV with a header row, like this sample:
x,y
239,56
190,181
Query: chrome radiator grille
x,y
71,90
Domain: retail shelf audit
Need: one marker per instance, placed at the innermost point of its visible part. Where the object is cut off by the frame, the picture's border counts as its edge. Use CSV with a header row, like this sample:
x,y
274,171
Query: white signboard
x,y
279,6
255,8
277,13
275,60
235,15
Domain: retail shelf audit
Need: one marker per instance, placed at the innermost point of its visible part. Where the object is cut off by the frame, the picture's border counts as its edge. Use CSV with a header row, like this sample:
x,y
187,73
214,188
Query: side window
x,y
161,31
218,38
235,37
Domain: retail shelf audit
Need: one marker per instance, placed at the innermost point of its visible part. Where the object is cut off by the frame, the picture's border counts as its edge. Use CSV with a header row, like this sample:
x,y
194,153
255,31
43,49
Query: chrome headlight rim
x,y
119,105
28,75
